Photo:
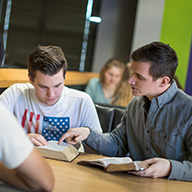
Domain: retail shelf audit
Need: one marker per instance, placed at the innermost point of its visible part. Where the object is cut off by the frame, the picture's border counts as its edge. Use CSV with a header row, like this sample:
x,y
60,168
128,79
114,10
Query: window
x,y
47,22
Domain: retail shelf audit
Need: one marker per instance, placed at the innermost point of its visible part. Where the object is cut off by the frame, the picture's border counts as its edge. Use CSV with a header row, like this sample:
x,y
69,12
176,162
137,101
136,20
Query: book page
x,y
54,146
113,160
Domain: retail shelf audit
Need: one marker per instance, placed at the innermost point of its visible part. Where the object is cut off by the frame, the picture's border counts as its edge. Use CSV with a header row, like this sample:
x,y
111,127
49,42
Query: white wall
x,y
106,33
110,40
148,22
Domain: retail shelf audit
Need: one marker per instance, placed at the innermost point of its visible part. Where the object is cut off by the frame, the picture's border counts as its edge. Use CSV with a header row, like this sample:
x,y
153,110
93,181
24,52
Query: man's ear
x,y
30,79
165,80
64,76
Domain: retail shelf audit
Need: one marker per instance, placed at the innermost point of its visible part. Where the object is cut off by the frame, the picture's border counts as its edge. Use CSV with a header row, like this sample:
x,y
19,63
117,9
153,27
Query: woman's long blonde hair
x,y
123,93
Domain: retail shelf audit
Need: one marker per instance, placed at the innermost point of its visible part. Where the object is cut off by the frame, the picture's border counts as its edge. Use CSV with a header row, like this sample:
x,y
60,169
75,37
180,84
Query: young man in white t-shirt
x,y
46,108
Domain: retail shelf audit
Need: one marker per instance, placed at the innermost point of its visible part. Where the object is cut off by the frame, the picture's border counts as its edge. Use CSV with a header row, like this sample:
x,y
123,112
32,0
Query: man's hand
x,y
158,167
37,139
75,135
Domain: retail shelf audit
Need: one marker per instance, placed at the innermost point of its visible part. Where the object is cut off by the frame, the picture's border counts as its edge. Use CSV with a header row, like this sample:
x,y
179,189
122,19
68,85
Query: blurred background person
x,y
102,89
123,93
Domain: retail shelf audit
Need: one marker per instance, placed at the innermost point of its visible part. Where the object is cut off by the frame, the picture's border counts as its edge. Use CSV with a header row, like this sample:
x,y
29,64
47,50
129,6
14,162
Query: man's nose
x,y
50,92
131,80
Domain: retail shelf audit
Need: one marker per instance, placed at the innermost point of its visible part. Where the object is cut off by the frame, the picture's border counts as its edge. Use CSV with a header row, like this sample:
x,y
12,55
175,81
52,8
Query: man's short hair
x,y
49,60
162,58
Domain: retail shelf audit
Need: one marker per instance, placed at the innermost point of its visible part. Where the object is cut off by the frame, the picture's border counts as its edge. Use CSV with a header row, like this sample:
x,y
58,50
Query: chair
x,y
109,116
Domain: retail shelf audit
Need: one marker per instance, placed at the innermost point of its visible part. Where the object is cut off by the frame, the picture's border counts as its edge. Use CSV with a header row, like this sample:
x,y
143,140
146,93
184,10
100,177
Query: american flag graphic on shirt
x,y
54,127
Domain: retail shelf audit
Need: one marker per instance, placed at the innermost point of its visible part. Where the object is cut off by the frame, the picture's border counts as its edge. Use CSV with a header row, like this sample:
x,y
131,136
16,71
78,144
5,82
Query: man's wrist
x,y
88,128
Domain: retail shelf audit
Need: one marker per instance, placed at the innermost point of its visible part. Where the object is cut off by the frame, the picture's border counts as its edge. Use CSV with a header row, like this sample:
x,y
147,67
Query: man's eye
x,y
57,86
139,77
42,87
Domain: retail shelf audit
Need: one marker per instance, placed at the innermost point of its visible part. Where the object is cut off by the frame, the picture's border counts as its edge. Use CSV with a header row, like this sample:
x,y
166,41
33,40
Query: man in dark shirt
x,y
157,125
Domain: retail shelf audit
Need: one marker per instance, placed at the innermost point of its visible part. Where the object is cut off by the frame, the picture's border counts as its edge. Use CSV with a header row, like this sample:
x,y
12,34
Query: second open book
x,y
111,164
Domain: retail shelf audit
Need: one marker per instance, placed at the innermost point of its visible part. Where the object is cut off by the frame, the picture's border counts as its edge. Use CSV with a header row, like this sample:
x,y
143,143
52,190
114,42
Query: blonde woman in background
x,y
102,89
123,93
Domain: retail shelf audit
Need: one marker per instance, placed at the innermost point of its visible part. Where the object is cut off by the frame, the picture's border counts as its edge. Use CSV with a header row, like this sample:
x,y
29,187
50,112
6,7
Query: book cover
x,y
64,151
112,164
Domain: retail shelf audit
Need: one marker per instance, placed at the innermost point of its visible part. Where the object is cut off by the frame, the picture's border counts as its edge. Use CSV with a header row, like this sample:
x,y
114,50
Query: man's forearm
x,y
10,177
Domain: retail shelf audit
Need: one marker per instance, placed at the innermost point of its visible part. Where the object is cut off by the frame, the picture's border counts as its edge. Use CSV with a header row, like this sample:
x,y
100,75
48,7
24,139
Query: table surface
x,y
11,76
69,176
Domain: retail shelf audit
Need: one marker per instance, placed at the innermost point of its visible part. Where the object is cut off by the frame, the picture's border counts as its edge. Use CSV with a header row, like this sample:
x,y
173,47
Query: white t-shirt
x,y
73,109
15,146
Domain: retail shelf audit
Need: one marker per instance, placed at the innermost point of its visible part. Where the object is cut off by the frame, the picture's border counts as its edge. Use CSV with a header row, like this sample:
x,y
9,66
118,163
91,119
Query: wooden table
x,y
11,76
69,176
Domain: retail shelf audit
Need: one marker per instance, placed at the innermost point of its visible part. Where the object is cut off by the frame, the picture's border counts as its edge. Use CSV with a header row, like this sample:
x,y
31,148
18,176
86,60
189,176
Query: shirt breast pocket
x,y
166,145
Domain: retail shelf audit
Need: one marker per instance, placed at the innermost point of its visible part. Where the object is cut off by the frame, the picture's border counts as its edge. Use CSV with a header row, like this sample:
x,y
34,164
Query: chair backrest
x,y
109,116
119,112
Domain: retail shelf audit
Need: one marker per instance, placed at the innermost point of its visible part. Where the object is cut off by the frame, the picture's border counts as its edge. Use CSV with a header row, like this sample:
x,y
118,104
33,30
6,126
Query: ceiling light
x,y
95,19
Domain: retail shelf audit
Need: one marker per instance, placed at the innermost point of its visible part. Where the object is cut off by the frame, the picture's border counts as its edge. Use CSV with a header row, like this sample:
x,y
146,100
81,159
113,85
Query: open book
x,y
64,151
111,164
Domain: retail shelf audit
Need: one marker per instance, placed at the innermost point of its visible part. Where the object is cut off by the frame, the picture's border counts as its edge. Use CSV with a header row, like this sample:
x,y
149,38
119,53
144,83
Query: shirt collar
x,y
163,98
166,96
146,104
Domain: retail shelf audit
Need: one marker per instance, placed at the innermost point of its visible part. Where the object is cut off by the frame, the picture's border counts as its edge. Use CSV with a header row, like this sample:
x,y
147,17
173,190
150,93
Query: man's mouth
x,y
50,99
133,87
